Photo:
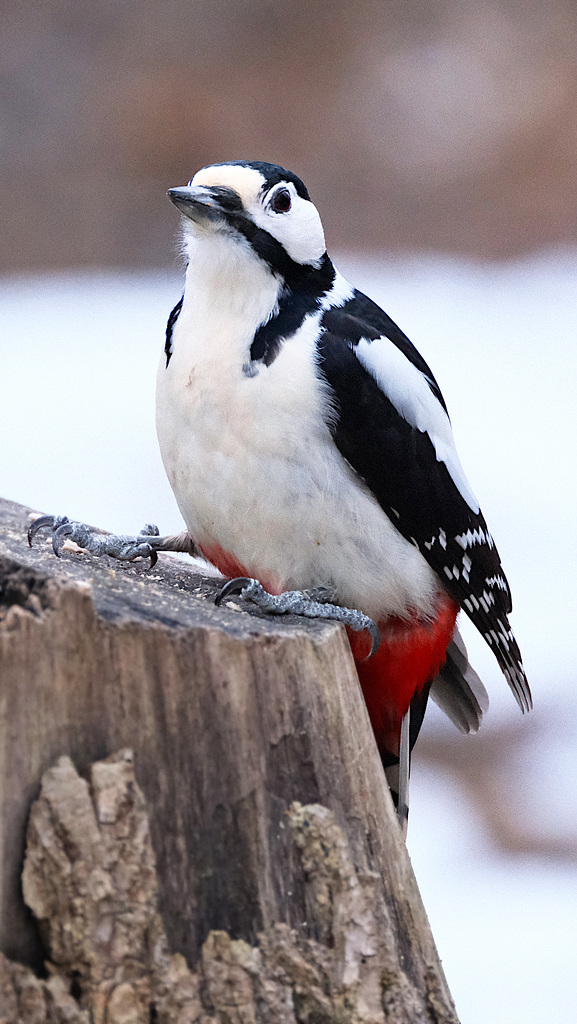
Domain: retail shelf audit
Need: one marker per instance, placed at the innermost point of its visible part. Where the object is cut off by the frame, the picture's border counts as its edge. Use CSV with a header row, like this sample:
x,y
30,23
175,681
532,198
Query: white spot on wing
x,y
472,537
496,581
441,537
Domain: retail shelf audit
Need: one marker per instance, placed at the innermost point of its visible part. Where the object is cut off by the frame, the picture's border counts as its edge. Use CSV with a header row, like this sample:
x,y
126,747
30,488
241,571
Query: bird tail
x,y
457,689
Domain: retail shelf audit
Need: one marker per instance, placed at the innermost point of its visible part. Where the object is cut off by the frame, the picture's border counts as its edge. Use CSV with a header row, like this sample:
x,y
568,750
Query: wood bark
x,y
234,855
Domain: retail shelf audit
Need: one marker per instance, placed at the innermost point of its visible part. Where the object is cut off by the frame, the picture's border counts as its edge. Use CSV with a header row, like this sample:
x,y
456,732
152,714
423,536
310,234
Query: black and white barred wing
x,y
393,428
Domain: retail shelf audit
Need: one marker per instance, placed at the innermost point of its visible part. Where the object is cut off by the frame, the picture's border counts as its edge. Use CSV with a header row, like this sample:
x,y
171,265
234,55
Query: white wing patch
x,y
406,387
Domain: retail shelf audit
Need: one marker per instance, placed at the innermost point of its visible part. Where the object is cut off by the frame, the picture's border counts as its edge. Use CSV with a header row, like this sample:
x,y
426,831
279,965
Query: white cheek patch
x,y
299,231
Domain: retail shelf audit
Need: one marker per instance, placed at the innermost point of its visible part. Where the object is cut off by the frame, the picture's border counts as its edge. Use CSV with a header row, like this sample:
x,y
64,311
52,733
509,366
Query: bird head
x,y
260,206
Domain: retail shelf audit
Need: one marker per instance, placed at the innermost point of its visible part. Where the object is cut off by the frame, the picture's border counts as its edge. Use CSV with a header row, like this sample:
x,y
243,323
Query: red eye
x,y
281,201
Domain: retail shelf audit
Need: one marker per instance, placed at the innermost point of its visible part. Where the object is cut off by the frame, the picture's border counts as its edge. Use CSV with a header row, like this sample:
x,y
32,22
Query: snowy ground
x,y
78,363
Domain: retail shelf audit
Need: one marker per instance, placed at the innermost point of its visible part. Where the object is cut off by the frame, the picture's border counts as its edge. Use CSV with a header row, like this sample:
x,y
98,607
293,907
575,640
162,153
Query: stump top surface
x,y
175,593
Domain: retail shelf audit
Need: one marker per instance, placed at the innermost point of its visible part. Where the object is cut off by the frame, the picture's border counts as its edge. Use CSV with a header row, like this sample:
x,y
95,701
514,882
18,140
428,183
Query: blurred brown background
x,y
447,124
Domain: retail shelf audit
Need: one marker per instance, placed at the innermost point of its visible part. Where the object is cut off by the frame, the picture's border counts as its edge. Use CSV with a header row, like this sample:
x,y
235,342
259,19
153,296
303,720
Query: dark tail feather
x,y
457,689
398,774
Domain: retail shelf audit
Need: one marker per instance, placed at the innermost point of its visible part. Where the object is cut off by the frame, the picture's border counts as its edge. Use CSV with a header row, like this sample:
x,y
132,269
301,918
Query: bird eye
x,y
281,201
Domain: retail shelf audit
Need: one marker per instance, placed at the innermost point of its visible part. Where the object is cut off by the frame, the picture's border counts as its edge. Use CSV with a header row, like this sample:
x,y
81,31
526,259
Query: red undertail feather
x,y
229,566
410,656
226,563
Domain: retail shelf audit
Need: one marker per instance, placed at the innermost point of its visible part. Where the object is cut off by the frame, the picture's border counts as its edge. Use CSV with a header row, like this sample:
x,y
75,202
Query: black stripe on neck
x,y
274,253
293,306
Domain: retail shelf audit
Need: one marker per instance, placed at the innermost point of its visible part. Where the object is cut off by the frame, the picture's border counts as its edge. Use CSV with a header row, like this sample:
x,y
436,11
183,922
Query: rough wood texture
x,y
90,879
233,718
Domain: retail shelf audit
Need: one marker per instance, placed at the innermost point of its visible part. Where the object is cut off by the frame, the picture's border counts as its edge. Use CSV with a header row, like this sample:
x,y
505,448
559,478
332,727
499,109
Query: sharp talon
x,y
360,623
232,587
153,558
63,531
375,635
38,524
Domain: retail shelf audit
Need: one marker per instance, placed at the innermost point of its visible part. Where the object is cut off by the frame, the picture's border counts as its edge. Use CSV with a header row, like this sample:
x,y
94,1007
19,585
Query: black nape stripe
x,y
170,327
293,307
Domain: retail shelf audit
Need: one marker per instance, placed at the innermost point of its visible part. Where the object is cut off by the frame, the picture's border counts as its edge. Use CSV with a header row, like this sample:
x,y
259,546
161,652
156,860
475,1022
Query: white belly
x,y
255,471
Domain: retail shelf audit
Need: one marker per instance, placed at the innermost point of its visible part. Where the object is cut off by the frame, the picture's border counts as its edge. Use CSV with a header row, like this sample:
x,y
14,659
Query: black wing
x,y
170,328
399,464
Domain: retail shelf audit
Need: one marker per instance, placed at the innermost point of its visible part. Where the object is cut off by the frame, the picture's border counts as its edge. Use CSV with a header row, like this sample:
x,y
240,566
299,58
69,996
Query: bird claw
x,y
312,604
54,522
125,548
59,534
235,586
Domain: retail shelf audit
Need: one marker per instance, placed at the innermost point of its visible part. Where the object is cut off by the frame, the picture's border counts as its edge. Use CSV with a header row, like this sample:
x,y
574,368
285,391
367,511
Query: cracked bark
x,y
245,864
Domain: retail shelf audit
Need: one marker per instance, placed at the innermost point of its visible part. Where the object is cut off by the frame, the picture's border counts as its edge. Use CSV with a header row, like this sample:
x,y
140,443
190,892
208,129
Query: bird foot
x,y
314,604
126,548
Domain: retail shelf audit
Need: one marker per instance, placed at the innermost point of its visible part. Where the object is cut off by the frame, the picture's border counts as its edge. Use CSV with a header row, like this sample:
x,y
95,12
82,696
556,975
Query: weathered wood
x,y
232,717
90,879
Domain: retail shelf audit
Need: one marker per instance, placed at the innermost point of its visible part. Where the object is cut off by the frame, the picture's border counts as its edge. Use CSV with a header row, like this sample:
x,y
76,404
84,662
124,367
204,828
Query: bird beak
x,y
196,202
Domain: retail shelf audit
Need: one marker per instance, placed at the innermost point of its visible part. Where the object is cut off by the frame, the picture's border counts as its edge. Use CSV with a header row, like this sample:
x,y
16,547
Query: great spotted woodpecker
x,y
309,448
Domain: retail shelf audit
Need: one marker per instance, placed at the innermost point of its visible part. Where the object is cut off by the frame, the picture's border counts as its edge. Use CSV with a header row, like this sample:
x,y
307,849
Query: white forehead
x,y
245,180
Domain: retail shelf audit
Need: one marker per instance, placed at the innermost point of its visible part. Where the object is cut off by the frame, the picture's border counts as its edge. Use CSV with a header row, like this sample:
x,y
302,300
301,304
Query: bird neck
x,y
294,304
232,295
228,285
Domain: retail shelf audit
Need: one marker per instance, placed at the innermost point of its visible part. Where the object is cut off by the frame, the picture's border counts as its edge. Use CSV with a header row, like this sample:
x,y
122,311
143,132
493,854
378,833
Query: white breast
x,y
255,471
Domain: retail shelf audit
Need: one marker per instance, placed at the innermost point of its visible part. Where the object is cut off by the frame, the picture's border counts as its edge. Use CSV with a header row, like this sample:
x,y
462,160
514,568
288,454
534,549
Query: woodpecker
x,y
310,449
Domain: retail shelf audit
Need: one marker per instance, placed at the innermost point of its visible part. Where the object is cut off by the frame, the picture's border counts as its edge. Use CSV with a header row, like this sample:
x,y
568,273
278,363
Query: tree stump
x,y
237,836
